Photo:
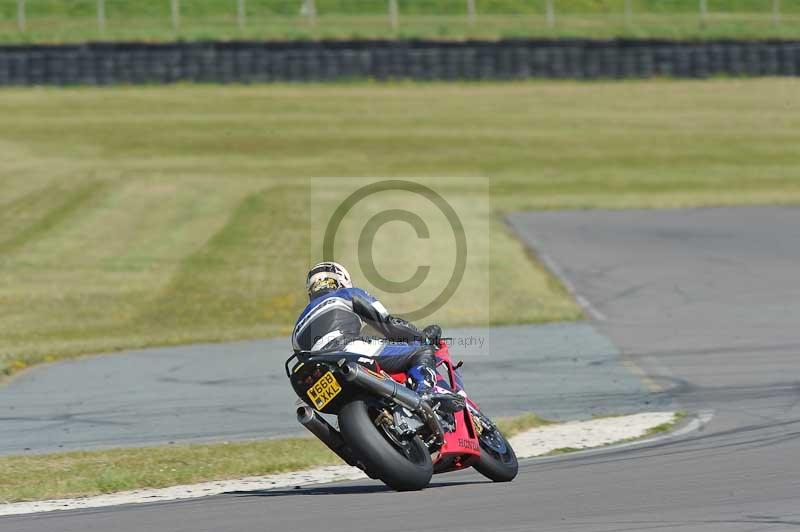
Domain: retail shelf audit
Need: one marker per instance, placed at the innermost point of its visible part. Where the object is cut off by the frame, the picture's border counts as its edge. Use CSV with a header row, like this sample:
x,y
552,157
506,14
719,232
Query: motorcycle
x,y
386,429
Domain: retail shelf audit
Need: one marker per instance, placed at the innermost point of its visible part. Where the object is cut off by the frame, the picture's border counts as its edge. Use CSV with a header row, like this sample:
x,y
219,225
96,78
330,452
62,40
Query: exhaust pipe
x,y
384,387
327,434
389,388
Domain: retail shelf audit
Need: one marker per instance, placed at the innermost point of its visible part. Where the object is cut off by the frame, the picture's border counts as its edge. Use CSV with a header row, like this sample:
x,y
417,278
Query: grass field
x,y
77,474
76,20
136,217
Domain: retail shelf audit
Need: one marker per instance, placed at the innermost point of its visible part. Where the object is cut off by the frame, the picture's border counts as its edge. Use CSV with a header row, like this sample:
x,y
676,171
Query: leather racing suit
x,y
335,319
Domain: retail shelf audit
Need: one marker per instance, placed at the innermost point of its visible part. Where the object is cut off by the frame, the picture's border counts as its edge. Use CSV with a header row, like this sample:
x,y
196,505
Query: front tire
x,y
404,469
498,461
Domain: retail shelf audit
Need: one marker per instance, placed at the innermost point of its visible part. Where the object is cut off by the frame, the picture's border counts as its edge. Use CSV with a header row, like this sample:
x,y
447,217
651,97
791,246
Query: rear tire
x,y
403,472
495,465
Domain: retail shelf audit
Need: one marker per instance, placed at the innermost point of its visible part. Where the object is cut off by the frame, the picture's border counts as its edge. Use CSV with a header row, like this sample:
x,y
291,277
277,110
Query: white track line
x,y
533,244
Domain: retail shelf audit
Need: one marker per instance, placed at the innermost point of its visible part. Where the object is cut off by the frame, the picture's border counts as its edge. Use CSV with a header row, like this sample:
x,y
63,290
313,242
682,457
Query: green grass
x,y
76,20
86,473
668,426
132,217
511,426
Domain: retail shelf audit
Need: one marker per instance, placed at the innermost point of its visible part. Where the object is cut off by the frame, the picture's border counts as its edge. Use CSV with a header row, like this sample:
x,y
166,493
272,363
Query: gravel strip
x,y
587,434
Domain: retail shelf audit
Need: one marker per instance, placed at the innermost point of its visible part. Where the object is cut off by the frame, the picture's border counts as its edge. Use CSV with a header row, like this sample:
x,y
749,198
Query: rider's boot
x,y
424,380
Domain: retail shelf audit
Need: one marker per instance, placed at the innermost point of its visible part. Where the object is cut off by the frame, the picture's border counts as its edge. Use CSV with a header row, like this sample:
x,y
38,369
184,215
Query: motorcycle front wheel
x,y
498,461
404,465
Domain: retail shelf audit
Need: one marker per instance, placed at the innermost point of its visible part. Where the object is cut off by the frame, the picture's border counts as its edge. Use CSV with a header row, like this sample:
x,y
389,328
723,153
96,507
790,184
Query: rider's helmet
x,y
326,277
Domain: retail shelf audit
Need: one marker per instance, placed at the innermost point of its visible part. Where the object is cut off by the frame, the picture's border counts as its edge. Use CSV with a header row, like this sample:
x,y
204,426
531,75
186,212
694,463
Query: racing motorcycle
x,y
386,429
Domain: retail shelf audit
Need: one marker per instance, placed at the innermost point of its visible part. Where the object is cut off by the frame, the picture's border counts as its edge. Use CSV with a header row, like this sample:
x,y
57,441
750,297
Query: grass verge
x,y
511,426
666,427
149,20
86,473
133,217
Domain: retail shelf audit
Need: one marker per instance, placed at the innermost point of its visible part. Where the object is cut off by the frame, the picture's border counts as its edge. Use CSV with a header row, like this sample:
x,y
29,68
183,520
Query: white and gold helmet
x,y
327,276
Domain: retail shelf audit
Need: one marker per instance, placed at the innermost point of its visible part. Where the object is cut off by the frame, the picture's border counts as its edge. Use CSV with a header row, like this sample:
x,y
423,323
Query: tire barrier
x,y
308,61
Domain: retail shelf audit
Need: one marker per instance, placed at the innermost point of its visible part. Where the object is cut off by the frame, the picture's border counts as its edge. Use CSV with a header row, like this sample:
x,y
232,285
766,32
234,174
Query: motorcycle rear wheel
x,y
404,466
498,461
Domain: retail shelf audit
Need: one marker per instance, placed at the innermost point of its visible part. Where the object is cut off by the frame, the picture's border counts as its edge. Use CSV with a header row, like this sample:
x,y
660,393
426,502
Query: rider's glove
x,y
432,334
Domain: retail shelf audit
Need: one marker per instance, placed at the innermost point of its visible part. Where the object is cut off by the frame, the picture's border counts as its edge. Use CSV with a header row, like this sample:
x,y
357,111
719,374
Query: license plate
x,y
323,391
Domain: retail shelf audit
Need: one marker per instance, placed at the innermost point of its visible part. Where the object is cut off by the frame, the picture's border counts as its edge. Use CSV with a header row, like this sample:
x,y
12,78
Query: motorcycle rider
x,y
336,315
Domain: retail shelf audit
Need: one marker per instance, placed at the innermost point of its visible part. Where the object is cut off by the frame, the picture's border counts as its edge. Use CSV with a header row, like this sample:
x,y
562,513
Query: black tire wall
x,y
306,61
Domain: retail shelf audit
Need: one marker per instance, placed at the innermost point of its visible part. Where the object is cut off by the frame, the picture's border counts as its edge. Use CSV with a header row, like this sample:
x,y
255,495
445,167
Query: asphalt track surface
x,y
207,393
704,303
